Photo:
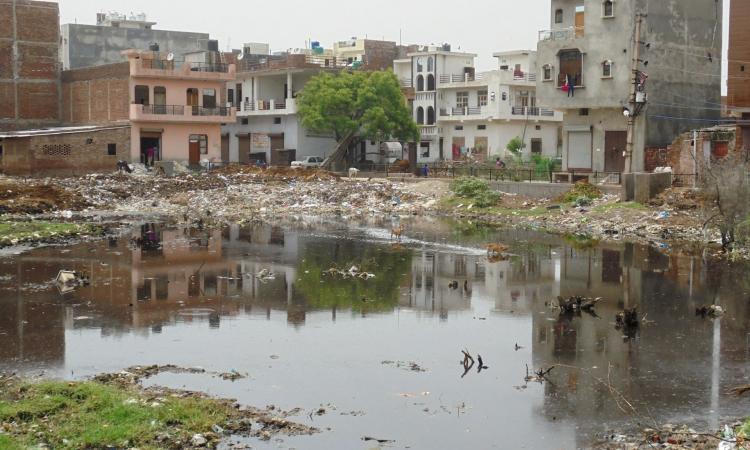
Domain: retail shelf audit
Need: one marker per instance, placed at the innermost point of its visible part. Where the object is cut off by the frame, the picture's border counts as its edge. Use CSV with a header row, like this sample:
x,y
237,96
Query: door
x,y
481,144
579,150
458,147
245,145
580,22
225,149
615,144
277,141
192,100
194,152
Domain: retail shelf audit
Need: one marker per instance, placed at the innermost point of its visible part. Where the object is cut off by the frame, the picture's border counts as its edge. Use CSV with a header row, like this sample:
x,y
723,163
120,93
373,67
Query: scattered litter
x,y
409,366
353,272
379,441
69,280
710,311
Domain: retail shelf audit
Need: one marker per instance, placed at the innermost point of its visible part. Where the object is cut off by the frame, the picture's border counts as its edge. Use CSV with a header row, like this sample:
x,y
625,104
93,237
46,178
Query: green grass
x,y
95,415
12,233
453,202
744,431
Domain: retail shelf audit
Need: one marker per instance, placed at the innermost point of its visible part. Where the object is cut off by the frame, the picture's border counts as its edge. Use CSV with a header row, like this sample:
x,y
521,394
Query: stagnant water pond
x,y
308,340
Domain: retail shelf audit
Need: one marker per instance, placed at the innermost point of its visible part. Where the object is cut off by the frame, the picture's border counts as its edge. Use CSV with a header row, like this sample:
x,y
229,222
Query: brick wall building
x,y
64,151
96,95
29,74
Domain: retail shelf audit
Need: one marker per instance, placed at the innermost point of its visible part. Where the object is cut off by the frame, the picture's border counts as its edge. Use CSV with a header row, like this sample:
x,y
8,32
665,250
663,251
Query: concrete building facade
x,y
29,70
590,46
463,114
93,45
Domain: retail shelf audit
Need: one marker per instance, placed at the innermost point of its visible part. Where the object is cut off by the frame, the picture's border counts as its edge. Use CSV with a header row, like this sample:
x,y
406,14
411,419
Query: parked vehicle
x,y
309,162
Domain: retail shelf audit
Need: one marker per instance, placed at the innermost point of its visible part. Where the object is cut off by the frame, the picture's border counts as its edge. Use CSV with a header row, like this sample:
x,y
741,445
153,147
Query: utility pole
x,y
633,103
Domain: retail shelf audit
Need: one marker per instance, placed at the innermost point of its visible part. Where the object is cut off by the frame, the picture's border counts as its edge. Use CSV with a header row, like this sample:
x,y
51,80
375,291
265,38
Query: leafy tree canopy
x,y
368,104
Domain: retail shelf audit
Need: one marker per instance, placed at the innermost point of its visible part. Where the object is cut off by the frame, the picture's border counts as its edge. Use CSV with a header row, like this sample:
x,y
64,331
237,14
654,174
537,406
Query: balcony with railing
x,y
465,113
561,34
267,107
428,130
520,78
531,111
463,80
149,65
181,113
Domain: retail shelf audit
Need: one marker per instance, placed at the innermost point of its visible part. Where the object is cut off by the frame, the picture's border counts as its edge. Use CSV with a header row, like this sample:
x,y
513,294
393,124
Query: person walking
x,y
425,171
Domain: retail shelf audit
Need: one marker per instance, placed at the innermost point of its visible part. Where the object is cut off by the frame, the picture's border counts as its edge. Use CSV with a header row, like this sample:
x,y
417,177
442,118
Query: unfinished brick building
x,y
96,95
29,67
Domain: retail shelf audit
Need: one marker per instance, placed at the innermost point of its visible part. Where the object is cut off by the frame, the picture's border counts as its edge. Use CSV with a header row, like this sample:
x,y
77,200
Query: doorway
x,y
198,145
225,149
150,140
615,144
192,100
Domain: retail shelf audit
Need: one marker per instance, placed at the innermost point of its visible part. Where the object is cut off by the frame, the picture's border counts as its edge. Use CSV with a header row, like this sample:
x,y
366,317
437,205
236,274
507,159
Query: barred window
x,y
56,150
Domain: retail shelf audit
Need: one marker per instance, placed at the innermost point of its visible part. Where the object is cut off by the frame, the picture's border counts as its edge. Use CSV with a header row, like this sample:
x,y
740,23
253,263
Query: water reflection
x,y
159,278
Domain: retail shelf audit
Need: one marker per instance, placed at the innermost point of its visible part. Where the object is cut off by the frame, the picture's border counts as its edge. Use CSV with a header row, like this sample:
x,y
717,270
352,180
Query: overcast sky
x,y
478,26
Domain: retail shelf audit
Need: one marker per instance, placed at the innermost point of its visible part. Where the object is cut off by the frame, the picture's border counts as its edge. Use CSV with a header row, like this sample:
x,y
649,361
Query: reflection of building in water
x,y
432,274
524,282
675,365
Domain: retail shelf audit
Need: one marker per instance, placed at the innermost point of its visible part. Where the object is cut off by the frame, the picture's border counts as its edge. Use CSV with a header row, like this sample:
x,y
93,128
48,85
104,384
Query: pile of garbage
x,y
35,197
682,199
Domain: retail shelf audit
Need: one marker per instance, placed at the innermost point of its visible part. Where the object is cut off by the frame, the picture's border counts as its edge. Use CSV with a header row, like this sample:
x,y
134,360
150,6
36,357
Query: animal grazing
x,y
397,232
496,249
353,173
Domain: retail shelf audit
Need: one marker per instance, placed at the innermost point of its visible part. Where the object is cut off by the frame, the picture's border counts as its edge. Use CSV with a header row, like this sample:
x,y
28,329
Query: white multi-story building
x,y
461,112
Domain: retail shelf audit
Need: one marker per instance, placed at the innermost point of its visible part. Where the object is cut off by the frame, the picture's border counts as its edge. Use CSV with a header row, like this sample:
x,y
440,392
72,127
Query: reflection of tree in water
x,y
322,291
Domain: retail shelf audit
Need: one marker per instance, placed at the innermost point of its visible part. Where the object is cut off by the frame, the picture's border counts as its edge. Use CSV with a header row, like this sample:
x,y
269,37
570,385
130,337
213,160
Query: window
x,y
462,99
571,63
608,8
230,96
583,112
420,116
607,69
424,149
481,127
202,140
547,72
459,128
536,146
55,150
141,95
559,16
89,141
160,95
1,151
504,96
209,98
430,64
430,82
538,128
420,66
420,83
482,98
277,120
245,121
430,116
111,149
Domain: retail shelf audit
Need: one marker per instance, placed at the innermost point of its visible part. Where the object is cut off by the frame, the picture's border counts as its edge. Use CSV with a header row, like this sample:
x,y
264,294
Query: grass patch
x,y
744,431
95,415
13,233
451,203
580,191
475,191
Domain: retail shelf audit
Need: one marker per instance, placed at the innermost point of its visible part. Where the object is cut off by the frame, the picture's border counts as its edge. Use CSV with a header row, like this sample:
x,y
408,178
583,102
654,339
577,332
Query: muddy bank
x,y
115,411
243,195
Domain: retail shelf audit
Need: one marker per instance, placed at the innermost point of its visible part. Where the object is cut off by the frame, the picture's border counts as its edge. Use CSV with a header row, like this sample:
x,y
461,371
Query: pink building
x,y
177,107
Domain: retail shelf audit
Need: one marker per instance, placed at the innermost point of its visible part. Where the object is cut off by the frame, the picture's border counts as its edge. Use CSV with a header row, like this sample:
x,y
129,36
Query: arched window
x,y
547,72
430,64
430,115
420,83
607,69
430,82
608,8
559,16
420,67
420,116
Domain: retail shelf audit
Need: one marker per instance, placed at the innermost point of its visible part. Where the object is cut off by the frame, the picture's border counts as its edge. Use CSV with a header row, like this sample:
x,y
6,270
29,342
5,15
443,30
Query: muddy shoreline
x,y
284,196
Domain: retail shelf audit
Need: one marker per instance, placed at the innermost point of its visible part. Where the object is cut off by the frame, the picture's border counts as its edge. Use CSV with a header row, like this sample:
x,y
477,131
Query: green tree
x,y
515,146
354,106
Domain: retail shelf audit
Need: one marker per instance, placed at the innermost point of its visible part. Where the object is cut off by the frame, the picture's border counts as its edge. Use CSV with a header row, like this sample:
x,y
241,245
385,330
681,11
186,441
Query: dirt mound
x,y
28,198
679,198
580,189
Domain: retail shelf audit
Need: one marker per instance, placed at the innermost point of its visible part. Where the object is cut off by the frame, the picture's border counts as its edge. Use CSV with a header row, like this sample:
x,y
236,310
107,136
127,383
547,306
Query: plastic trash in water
x,y
663,215
730,440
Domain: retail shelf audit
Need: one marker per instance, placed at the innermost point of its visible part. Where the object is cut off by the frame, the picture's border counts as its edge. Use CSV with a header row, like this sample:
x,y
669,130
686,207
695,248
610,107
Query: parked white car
x,y
309,162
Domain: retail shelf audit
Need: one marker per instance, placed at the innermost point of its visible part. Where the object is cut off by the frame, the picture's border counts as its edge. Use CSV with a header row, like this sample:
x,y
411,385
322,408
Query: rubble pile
x,y
35,197
678,198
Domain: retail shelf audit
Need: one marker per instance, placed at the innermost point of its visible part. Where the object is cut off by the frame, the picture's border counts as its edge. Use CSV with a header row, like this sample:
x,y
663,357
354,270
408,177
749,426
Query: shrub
x,y
476,191
581,189
469,187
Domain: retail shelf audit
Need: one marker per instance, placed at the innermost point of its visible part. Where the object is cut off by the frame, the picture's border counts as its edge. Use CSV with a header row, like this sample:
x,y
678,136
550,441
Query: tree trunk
x,y
340,151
